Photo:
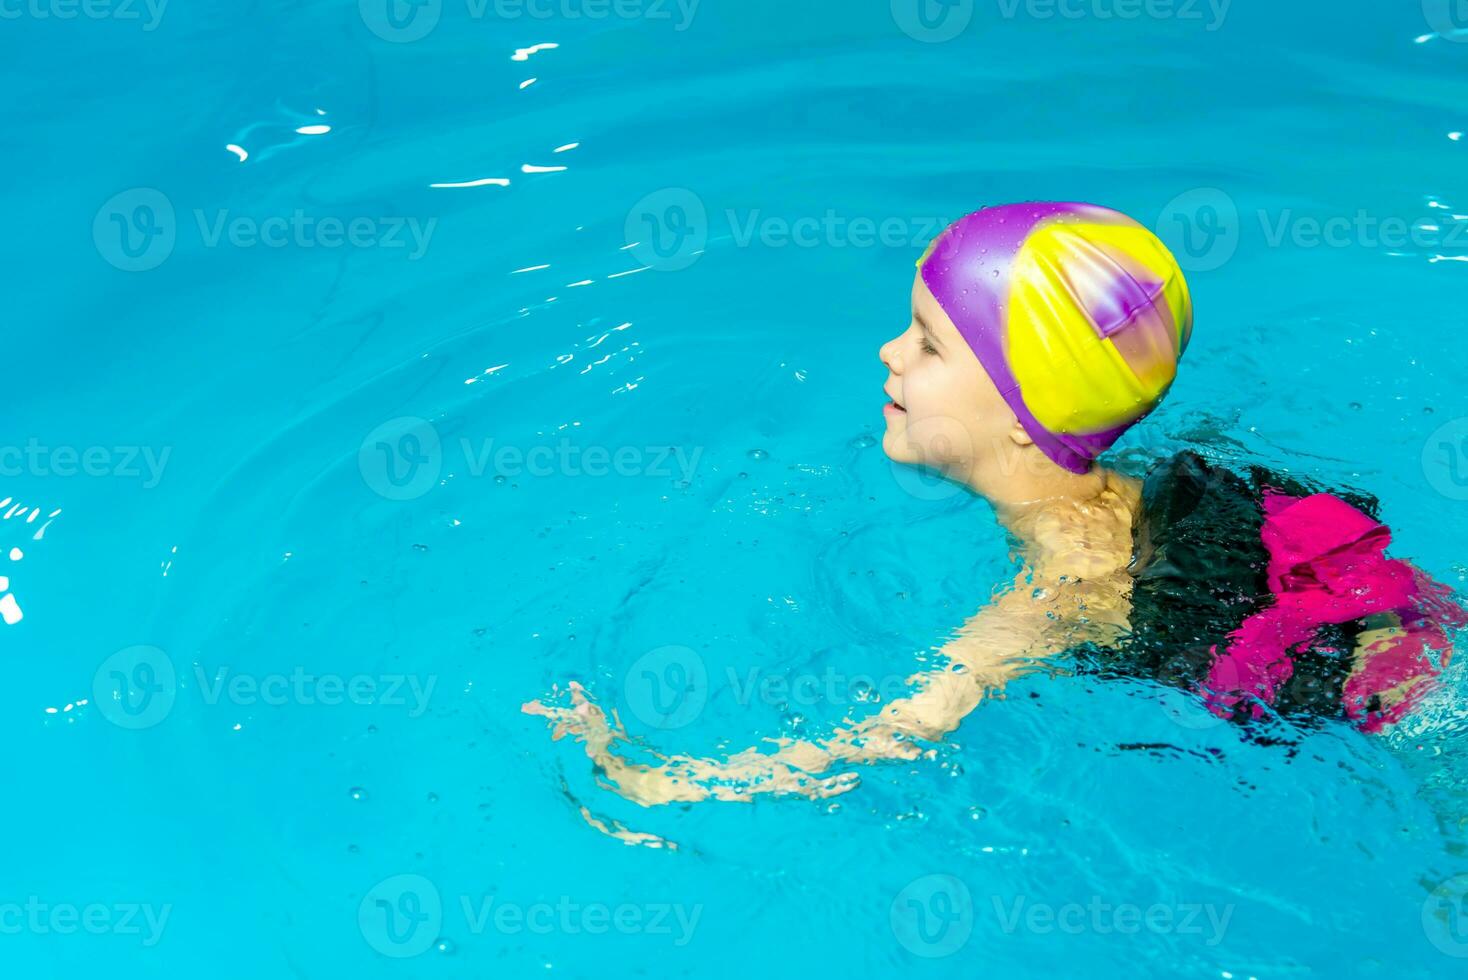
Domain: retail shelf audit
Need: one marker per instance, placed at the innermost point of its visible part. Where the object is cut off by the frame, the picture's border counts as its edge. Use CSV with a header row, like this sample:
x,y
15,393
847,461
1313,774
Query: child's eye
x,y
928,348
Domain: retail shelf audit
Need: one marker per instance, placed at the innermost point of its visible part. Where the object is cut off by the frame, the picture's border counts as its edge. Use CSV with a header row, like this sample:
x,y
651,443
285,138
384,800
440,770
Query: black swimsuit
x,y
1200,567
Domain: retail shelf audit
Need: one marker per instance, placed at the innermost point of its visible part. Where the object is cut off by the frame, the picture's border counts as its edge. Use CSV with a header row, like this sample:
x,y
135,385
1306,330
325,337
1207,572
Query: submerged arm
x,y
1017,632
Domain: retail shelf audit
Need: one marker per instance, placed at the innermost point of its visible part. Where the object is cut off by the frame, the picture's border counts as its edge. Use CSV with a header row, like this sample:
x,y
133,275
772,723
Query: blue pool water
x,y
267,660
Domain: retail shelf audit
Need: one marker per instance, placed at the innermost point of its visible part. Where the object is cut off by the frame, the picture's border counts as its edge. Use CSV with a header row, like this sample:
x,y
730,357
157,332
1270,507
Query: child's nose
x,y
888,354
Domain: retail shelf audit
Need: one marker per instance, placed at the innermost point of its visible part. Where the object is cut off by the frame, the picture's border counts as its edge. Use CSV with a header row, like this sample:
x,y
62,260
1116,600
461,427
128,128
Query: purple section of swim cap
x,y
1116,307
968,272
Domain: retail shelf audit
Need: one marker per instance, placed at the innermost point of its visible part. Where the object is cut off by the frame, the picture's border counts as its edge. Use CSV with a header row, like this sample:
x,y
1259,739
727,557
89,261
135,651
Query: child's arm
x,y
1390,670
1016,633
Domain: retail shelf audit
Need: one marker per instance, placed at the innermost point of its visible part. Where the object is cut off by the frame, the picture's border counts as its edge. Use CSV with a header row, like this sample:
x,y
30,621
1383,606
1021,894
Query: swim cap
x,y
1078,313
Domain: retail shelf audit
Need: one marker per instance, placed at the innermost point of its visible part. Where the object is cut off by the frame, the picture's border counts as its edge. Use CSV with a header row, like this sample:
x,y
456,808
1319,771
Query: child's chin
x,y
898,449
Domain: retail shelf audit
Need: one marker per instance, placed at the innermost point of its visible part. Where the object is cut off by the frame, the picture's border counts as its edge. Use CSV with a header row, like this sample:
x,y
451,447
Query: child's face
x,y
948,414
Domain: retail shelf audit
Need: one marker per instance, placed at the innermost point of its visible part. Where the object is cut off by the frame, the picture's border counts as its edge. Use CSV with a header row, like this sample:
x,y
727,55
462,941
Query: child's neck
x,y
1084,520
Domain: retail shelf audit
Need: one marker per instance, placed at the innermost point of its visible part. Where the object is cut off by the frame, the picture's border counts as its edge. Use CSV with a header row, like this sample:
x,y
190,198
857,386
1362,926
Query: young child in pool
x,y
1040,333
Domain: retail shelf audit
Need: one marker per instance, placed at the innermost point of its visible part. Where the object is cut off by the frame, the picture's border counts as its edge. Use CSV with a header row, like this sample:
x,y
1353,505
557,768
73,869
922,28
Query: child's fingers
x,y
836,785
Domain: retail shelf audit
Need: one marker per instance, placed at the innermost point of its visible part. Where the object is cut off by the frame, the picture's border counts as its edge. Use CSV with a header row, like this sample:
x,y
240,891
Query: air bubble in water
x,y
358,793
758,454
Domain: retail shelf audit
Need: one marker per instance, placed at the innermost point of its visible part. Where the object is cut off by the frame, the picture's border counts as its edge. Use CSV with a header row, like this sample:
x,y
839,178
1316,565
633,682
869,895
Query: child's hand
x,y
680,779
583,720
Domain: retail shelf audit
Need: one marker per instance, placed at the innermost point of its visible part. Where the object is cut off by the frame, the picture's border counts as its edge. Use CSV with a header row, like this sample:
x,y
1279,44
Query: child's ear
x,y
1019,436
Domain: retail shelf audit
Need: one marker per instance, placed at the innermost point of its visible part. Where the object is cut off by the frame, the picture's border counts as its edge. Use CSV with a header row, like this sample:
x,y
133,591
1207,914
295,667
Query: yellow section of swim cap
x,y
1071,378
